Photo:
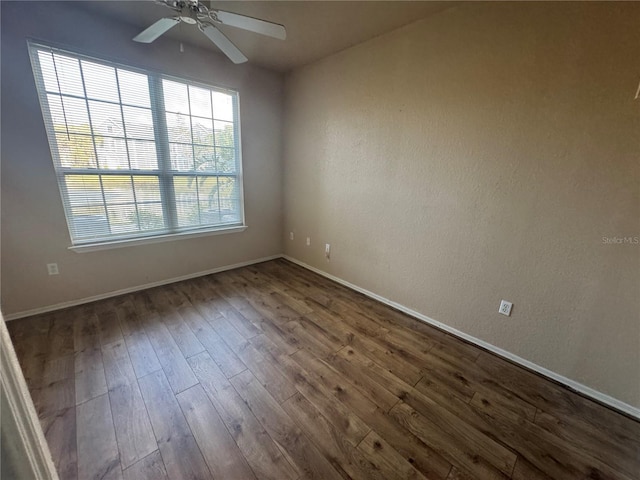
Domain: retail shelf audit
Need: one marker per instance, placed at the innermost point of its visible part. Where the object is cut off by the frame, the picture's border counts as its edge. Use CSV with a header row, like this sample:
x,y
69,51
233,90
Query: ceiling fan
x,y
194,12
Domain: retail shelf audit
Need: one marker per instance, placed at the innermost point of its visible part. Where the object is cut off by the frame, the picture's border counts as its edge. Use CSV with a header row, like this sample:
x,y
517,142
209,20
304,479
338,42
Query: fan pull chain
x,y
180,31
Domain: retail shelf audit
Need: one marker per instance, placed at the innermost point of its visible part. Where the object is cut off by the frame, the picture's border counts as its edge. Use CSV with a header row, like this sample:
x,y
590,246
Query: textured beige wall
x,y
477,155
34,230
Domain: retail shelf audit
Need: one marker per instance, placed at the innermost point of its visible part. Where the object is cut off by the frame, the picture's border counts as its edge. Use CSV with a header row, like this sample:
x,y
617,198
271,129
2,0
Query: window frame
x,y
164,172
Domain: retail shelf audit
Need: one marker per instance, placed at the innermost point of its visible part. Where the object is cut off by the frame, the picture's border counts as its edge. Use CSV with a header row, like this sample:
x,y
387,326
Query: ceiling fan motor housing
x,y
193,5
189,10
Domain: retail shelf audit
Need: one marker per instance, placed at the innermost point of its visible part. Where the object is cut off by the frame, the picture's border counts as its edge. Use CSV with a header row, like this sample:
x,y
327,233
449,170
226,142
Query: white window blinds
x,y
137,153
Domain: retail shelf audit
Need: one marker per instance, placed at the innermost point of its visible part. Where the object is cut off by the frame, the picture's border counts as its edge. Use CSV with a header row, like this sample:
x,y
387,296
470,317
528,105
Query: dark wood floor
x,y
273,372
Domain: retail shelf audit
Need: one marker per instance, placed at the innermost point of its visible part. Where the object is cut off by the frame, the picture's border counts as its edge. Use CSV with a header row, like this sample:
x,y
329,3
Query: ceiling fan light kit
x,y
193,12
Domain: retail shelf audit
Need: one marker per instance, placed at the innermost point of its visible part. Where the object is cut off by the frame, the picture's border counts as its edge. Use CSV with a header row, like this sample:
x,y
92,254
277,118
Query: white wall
x,y
477,155
34,230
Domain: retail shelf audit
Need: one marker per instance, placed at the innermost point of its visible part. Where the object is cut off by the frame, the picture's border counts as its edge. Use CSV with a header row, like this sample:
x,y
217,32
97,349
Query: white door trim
x,y
20,418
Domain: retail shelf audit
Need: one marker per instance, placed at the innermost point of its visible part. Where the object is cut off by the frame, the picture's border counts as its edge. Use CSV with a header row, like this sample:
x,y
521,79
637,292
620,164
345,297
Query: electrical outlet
x,y
308,241
505,308
52,268
290,235
327,251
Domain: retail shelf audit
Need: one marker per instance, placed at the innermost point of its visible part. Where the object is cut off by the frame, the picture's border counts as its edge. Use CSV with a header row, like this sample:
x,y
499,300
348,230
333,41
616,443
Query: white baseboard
x,y
102,296
573,385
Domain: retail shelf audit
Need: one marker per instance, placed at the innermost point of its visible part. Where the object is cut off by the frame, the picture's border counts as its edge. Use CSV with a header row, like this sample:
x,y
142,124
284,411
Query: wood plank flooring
x,y
273,372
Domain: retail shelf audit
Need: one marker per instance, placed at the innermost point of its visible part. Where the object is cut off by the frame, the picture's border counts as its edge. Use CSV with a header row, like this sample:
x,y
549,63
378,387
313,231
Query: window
x,y
136,153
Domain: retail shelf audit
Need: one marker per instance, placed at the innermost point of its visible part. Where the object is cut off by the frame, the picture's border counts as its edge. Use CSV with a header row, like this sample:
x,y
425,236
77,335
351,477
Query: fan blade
x,y
155,30
252,24
223,43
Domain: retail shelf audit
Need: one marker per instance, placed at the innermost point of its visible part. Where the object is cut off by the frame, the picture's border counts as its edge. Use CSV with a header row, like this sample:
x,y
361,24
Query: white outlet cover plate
x,y
505,308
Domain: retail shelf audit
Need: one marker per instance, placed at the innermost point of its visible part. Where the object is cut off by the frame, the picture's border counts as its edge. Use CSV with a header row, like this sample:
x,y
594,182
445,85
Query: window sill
x,y
131,242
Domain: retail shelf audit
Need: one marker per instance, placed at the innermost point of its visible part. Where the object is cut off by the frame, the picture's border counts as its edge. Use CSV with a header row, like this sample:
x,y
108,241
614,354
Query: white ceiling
x,y
315,29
